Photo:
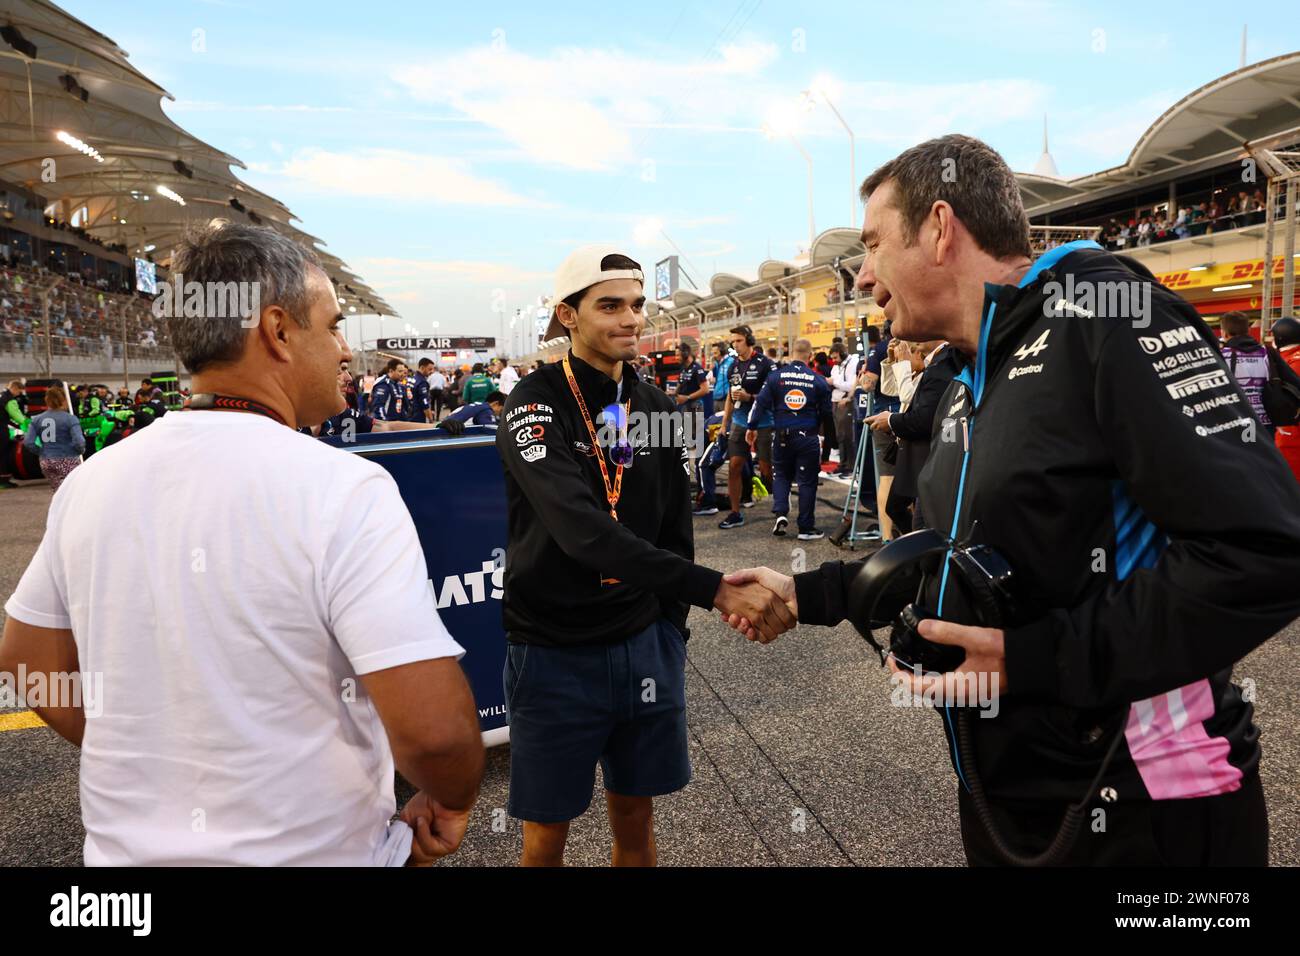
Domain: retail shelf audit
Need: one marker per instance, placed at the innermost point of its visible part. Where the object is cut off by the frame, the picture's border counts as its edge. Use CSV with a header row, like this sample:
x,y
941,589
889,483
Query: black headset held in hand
x,y
884,594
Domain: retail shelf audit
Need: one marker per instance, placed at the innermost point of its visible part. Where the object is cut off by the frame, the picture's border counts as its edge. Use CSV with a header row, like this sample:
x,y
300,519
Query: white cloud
x,y
573,107
395,174
476,272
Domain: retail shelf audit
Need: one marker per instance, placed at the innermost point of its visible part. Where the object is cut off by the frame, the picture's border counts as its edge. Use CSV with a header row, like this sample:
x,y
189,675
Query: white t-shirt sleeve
x,y
41,598
380,607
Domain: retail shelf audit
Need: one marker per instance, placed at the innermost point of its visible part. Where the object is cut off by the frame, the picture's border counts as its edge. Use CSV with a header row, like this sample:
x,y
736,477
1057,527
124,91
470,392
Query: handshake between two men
x,y
762,604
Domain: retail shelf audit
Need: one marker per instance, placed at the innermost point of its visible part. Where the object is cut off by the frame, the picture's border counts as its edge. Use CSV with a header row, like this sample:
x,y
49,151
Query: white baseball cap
x,y
583,269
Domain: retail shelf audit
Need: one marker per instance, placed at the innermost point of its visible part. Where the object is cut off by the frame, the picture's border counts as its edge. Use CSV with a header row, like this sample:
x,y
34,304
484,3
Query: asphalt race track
x,y
799,758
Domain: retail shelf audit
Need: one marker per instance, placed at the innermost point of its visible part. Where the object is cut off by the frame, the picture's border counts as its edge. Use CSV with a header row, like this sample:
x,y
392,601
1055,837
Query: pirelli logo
x,y
1198,383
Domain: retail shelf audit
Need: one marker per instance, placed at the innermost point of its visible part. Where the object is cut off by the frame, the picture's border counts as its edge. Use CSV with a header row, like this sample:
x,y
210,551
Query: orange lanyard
x,y
612,492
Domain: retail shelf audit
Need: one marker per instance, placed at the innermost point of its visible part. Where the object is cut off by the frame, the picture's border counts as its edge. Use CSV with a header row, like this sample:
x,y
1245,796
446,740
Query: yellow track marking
x,y
19,721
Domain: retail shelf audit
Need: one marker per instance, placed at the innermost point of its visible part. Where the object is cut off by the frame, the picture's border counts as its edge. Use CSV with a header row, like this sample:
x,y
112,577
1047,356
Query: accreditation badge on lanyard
x,y
621,453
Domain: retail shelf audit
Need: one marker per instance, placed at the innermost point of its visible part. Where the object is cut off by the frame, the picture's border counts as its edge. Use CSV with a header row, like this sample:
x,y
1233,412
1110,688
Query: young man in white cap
x,y
599,576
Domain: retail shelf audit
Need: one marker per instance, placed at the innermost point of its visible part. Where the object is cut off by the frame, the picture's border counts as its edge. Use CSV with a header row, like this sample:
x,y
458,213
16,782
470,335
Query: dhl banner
x,y
1226,273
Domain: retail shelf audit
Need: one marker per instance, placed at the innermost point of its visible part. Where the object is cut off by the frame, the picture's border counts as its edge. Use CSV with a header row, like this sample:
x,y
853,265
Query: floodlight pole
x,y
853,165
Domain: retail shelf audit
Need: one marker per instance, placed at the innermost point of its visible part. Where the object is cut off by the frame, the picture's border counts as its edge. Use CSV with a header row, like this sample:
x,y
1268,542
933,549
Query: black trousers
x,y
896,506
1230,829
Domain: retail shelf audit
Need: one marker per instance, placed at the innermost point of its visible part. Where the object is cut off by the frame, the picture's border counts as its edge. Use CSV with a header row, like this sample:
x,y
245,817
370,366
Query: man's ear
x,y
272,330
944,226
567,315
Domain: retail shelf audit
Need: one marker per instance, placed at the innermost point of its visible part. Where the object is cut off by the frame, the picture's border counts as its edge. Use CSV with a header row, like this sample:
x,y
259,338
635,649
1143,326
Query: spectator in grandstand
x,y
56,436
478,386
1286,339
437,392
333,667
486,412
1248,361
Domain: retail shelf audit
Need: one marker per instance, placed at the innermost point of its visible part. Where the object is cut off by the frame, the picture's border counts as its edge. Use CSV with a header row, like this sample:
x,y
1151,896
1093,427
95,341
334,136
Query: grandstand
x,y
1225,156
93,177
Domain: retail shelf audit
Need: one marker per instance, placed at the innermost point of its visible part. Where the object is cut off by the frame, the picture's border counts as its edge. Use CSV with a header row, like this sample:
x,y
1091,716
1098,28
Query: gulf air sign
x,y
478,343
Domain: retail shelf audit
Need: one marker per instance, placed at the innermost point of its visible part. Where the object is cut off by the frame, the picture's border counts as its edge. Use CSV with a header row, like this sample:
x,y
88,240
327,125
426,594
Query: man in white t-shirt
x,y
248,689
508,377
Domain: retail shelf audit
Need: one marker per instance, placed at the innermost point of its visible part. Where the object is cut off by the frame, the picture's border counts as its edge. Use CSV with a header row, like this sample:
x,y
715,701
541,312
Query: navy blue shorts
x,y
622,704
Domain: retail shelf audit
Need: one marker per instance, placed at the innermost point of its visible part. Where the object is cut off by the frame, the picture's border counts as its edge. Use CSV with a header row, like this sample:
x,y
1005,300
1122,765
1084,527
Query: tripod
x,y
848,529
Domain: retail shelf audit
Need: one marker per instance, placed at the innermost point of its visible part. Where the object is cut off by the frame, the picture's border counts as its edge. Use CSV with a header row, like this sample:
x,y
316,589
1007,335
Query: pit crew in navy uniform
x,y
748,373
799,400
388,399
421,408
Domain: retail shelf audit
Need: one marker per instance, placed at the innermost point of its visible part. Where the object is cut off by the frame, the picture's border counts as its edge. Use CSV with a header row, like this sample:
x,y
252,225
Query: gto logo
x,y
529,434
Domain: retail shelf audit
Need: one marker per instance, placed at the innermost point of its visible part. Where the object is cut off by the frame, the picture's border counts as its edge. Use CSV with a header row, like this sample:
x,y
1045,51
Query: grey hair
x,y
220,253
972,178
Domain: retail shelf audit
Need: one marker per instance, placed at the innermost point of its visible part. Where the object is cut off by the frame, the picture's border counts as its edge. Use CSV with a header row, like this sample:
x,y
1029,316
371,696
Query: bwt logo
x,y
1168,340
471,587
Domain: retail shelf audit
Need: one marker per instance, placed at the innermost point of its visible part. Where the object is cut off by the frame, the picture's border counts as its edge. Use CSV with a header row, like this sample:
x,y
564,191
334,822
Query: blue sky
x,y
453,153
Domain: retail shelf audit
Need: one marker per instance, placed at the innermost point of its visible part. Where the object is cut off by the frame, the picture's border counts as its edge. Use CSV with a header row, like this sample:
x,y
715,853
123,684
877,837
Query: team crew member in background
x,y
61,438
15,407
487,412
350,422
1248,361
248,666
507,377
600,575
1083,462
692,387
421,407
478,386
437,392
747,373
388,399
844,375
720,376
800,402
930,368
882,401
1286,339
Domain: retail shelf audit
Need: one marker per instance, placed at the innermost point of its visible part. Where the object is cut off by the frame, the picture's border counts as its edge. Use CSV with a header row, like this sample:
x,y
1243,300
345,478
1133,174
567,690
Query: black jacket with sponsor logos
x,y
1153,528
574,575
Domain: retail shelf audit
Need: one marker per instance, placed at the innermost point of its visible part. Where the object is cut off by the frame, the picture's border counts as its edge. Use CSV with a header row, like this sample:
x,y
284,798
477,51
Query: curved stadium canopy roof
x,y
57,74
1258,104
